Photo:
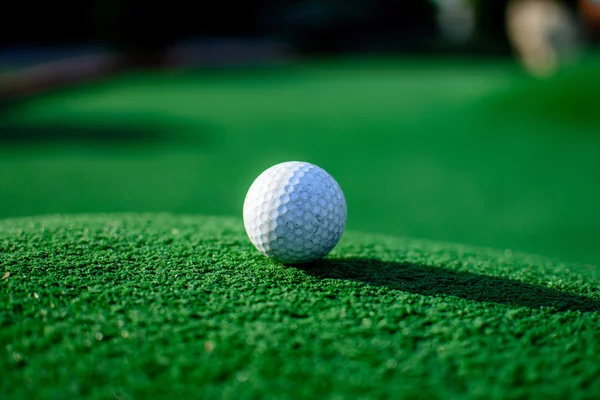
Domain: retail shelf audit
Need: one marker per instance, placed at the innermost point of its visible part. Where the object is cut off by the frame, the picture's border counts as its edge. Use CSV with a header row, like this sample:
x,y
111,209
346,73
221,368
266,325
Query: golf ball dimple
x,y
295,212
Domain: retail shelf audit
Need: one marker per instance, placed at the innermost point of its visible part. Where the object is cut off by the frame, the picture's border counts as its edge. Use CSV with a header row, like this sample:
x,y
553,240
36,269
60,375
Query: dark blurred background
x,y
151,34
471,121
310,27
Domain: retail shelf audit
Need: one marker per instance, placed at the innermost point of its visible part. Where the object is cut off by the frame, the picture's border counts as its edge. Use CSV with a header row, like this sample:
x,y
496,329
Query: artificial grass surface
x,y
468,151
145,305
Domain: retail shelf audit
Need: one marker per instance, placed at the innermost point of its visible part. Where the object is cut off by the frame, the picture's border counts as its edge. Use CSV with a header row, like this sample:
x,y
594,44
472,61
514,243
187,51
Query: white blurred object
x,y
456,20
544,34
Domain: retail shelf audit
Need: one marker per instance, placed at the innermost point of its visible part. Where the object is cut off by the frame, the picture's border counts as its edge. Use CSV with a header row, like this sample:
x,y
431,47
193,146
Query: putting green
x,y
467,151
154,305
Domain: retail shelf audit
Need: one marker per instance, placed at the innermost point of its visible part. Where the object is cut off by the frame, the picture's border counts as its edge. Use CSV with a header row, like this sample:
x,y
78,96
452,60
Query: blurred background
x,y
471,121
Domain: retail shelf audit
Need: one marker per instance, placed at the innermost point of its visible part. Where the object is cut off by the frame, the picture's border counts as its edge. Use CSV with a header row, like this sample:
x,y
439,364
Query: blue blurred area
x,y
20,55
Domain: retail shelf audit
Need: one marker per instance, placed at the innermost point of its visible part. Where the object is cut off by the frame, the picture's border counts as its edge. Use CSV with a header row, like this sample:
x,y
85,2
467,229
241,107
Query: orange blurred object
x,y
590,11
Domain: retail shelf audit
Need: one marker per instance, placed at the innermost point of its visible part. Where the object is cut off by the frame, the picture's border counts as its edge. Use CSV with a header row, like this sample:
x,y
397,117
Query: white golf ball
x,y
295,212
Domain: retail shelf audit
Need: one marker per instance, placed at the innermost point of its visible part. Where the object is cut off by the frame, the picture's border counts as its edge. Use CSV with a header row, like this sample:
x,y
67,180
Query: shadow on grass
x,y
431,281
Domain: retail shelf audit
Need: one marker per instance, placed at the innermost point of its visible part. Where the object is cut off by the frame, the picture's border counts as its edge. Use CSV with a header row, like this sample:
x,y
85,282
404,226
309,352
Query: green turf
x,y
135,306
467,151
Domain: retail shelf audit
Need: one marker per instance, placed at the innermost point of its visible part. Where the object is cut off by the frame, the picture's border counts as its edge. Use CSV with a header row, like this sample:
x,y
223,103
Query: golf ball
x,y
295,212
